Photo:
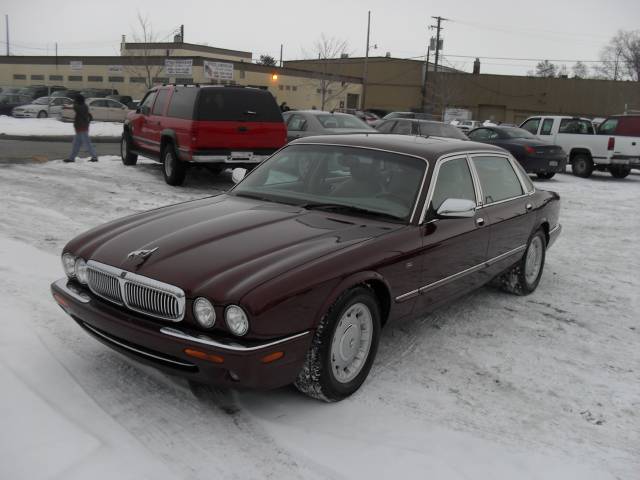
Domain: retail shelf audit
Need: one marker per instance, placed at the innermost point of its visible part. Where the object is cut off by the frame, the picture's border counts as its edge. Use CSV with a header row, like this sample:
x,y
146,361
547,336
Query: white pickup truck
x,y
588,149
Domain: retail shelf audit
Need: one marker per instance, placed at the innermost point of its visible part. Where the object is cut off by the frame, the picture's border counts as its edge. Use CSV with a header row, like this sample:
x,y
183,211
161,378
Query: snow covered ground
x,y
53,127
493,386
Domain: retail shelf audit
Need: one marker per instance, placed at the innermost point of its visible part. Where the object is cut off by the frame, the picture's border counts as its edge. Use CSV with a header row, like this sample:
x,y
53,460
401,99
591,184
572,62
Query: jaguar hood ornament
x,y
141,255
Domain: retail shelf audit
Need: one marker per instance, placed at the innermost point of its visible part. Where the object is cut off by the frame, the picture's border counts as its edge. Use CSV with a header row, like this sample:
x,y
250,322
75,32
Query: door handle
x,y
243,129
480,221
529,206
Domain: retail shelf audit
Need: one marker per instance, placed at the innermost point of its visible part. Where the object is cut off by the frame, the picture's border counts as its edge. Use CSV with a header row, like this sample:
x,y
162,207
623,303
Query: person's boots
x,y
69,160
93,159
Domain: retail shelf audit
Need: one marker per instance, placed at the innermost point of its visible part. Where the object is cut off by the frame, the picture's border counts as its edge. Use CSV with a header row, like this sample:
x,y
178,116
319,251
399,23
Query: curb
x,y
56,138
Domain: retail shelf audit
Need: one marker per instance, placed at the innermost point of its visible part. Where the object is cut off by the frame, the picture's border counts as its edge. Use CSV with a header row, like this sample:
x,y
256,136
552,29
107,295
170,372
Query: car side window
x,y
547,125
479,134
402,128
148,101
297,123
113,104
497,177
453,181
386,126
99,103
161,102
608,127
531,125
575,126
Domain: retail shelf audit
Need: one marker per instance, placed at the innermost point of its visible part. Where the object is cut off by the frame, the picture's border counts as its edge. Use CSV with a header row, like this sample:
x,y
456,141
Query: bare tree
x,y
620,59
145,53
546,69
580,70
326,50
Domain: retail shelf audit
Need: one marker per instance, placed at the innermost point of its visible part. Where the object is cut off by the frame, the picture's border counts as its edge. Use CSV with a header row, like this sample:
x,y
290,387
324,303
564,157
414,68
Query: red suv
x,y
221,126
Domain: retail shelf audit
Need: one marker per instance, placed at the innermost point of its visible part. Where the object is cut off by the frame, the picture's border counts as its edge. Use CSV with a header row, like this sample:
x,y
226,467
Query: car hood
x,y
223,246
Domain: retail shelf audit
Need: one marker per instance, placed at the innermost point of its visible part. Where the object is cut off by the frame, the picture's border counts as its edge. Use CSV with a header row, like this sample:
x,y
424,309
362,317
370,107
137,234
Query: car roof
x,y
429,148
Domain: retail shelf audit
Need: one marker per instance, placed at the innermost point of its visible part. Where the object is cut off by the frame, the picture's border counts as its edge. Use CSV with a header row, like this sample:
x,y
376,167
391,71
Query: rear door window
x,y
531,125
498,179
183,102
237,105
575,126
297,123
454,181
547,125
403,127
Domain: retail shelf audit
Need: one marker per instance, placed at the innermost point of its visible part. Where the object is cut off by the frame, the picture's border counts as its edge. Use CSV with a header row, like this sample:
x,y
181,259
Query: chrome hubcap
x,y
533,262
351,342
168,164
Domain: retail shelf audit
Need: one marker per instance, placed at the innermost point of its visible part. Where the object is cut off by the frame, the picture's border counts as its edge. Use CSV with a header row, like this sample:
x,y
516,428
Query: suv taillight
x,y
529,150
612,143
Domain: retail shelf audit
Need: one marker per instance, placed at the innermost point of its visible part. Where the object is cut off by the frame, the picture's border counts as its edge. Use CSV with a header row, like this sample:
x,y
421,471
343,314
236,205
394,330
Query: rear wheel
x,y
343,348
582,165
173,170
128,158
42,114
545,175
524,276
619,171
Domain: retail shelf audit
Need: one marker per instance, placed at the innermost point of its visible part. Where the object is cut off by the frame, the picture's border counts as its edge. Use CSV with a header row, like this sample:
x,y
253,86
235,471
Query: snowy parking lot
x,y
493,386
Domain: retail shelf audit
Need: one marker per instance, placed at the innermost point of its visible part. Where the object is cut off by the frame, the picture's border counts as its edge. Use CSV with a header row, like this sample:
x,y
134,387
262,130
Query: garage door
x,y
495,113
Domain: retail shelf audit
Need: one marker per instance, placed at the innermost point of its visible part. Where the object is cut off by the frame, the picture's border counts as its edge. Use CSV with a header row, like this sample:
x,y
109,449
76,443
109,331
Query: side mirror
x,y
456,208
238,174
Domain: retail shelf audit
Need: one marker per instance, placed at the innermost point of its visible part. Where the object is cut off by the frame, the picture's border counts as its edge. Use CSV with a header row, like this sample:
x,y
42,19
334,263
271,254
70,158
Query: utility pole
x,y
182,33
6,22
424,86
366,62
56,55
281,47
438,27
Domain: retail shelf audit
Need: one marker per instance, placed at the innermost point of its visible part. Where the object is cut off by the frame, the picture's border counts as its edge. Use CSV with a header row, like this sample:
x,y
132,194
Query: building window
x,y
288,87
116,79
184,81
294,88
75,78
242,74
94,78
162,80
19,76
37,77
280,87
137,79
318,90
56,78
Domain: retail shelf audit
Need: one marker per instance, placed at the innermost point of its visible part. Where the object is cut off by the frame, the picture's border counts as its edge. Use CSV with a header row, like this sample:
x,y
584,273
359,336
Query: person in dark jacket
x,y
81,126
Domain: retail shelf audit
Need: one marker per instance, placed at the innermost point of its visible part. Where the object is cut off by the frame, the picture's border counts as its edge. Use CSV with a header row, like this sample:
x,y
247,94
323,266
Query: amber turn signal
x,y
272,357
210,357
61,301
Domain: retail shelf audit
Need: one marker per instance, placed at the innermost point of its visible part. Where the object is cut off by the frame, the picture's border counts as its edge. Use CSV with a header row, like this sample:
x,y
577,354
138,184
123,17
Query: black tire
x,y
42,114
317,378
619,171
545,175
516,280
582,165
128,158
173,169
216,169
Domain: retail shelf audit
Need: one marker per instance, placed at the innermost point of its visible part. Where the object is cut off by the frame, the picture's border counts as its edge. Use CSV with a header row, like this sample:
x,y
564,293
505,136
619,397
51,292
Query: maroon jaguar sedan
x,y
290,276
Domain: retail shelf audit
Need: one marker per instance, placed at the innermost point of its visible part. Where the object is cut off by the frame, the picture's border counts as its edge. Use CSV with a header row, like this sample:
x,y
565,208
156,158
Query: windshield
x,y
514,132
330,120
355,180
41,101
441,130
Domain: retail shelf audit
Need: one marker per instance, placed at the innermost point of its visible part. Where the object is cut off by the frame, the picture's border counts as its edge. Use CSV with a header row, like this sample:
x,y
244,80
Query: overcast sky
x,y
554,29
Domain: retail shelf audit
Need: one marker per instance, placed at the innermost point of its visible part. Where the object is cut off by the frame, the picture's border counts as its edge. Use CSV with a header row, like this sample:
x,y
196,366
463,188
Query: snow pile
x,y
52,127
493,386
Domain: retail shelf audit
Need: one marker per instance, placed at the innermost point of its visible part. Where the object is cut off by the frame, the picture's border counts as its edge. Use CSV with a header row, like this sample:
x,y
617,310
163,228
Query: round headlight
x,y
81,271
204,312
69,265
237,320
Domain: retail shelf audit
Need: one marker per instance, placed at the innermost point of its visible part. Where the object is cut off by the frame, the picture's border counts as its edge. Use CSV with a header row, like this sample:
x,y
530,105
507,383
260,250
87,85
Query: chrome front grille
x,y
137,293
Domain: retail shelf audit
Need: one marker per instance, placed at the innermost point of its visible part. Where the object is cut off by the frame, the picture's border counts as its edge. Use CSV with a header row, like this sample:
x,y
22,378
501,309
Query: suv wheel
x,y
582,165
619,171
545,175
128,158
173,170
42,114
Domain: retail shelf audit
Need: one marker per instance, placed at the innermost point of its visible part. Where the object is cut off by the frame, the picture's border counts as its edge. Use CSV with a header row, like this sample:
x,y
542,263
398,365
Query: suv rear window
x,y
183,102
237,105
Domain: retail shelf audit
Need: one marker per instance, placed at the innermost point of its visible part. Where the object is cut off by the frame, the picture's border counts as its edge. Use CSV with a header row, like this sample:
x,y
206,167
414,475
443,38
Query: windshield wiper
x,y
254,196
339,207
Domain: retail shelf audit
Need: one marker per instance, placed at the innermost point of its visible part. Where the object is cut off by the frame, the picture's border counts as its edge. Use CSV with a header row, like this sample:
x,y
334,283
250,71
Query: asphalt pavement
x,y
19,151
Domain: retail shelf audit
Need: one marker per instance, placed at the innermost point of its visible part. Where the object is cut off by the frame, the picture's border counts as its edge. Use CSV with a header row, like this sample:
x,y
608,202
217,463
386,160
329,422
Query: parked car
x,y
101,109
367,117
290,276
8,101
467,125
306,123
42,107
425,128
588,151
124,99
620,125
535,155
416,115
217,126
37,91
8,90
65,93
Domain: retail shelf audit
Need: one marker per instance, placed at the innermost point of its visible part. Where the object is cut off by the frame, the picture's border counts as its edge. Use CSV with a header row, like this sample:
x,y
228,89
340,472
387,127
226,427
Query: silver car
x,y
42,107
307,123
101,109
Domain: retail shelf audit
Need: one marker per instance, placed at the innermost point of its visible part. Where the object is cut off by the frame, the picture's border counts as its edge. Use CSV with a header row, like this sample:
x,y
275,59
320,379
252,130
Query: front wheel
x,y
582,165
545,175
619,171
524,276
343,348
128,158
42,114
173,170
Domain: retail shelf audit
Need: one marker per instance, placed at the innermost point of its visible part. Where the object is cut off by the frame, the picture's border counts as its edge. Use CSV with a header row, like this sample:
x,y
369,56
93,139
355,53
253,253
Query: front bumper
x,y
534,164
24,114
554,233
163,346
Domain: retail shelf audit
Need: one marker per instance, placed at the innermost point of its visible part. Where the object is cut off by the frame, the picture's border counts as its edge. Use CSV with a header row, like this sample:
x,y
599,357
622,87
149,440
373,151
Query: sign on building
x,y
218,70
115,69
178,68
75,65
456,114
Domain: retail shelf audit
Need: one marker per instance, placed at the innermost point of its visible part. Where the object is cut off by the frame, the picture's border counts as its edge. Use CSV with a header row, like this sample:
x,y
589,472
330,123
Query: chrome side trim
x,y
133,349
232,347
145,140
227,159
62,284
554,229
456,276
